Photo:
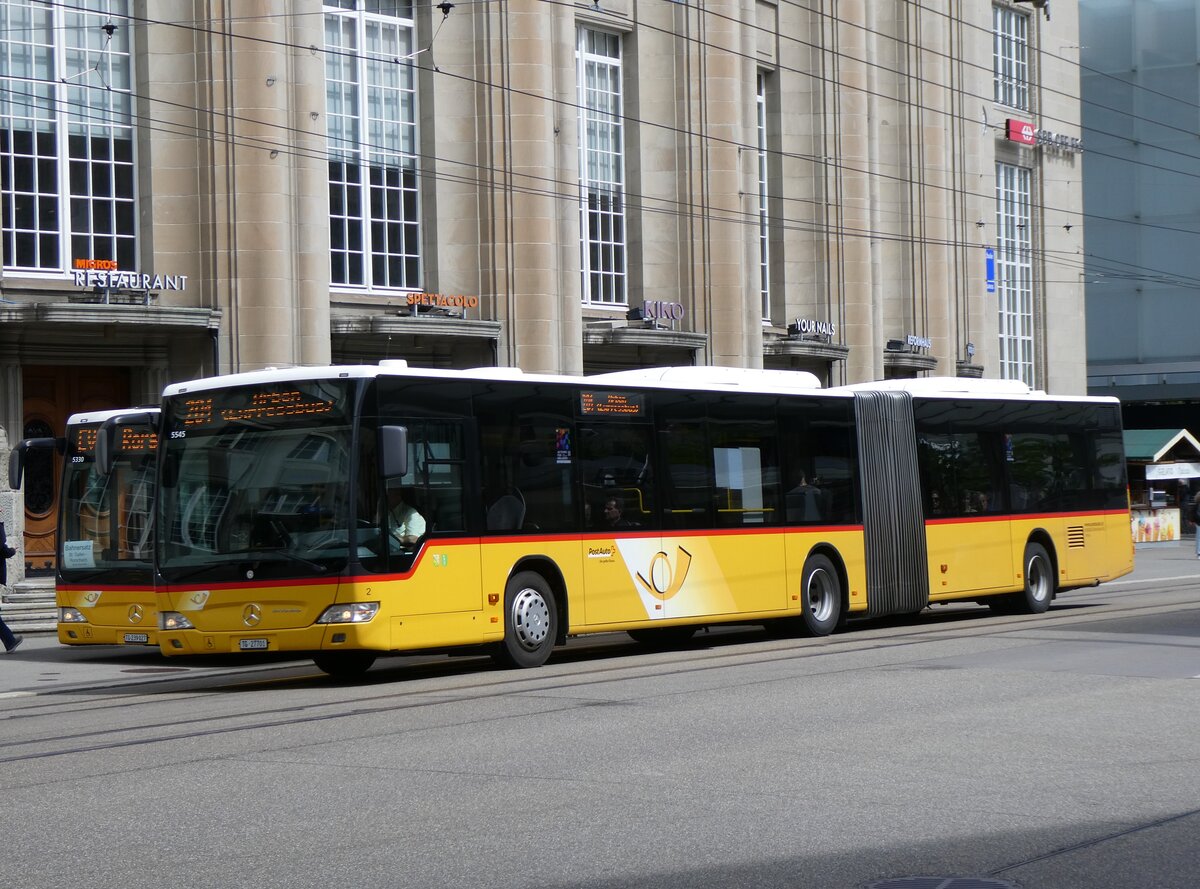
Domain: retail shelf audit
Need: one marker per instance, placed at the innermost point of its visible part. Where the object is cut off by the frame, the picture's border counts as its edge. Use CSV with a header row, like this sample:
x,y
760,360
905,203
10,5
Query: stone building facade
x,y
196,186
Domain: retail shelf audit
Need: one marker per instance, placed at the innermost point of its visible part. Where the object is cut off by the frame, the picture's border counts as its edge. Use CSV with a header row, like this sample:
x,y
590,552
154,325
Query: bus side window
x,y
819,462
614,461
528,459
689,491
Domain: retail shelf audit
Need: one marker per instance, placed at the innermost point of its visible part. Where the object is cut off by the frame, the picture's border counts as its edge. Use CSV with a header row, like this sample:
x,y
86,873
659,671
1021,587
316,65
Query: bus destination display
x,y
130,440
612,404
200,412
85,439
136,440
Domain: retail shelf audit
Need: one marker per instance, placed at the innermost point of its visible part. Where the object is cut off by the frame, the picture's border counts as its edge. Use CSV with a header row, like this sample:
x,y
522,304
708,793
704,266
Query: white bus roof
x,y
701,377
712,377
972,387
698,377
86,417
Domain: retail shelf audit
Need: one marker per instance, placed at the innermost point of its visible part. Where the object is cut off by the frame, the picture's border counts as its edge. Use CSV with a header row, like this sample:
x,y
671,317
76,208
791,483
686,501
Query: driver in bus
x,y
406,524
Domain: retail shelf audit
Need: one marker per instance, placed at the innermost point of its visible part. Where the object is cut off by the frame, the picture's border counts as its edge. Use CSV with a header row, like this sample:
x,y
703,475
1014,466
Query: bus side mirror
x,y
393,451
16,457
105,453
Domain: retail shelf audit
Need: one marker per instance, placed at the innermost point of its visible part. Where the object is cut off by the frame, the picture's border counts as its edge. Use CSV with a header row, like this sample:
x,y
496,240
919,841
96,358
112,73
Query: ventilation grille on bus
x,y
1075,537
893,521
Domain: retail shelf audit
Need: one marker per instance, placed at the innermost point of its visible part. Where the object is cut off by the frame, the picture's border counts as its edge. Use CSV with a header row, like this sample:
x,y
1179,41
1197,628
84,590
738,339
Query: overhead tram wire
x,y
569,190
750,219
684,3
836,165
634,197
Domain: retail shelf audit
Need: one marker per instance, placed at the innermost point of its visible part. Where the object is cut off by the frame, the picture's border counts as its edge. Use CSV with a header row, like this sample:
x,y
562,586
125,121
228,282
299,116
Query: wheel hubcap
x,y
820,595
531,619
1039,585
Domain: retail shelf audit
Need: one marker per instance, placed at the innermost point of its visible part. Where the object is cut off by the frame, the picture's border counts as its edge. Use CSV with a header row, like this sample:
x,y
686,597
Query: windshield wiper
x,y
315,566
183,574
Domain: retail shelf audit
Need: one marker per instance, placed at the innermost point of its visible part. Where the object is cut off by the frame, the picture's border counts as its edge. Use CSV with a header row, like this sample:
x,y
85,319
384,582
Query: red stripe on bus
x,y
528,539
1022,516
87,587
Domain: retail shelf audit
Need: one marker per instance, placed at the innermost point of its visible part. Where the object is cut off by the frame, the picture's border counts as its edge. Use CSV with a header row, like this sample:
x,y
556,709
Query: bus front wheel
x,y
344,664
530,621
821,596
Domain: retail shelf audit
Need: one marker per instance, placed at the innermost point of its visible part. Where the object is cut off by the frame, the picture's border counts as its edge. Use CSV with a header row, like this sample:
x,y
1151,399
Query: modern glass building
x,y
1140,82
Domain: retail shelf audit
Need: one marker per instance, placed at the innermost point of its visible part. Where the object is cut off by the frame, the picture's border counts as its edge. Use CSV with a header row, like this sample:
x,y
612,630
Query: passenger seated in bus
x,y
405,524
804,502
975,501
507,512
614,515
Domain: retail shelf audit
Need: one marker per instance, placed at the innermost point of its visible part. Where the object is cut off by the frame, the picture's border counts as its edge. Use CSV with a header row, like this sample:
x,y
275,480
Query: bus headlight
x,y
353,613
71,616
173,620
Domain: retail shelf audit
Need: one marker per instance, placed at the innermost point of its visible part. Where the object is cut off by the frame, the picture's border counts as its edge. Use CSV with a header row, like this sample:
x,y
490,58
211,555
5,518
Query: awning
x,y
1155,445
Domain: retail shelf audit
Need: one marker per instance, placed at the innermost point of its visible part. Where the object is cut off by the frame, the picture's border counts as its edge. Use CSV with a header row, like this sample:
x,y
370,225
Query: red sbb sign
x,y
1021,131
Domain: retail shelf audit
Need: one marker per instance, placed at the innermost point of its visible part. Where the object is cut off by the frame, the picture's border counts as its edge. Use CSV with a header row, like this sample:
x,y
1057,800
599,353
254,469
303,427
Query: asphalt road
x,y
955,750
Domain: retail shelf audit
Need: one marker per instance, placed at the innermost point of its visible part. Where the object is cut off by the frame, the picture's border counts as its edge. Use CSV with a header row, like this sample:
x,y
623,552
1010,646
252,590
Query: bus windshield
x,y
256,482
106,520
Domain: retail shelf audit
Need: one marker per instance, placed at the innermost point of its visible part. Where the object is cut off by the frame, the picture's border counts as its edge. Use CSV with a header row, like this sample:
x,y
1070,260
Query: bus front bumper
x,y
321,637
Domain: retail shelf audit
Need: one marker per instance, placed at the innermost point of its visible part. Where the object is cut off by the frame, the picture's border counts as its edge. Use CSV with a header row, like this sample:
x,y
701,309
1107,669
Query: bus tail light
x,y
352,613
71,616
173,620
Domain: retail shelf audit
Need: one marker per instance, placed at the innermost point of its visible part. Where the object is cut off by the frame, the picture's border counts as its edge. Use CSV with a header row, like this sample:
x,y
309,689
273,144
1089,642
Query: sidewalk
x,y
43,666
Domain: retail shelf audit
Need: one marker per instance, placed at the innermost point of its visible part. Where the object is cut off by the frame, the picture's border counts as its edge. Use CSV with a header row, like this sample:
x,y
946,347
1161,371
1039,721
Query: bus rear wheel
x,y
1039,580
530,621
344,664
821,596
1038,591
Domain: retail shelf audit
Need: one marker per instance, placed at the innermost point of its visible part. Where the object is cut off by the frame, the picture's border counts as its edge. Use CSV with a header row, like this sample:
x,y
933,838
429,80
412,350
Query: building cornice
x,y
174,317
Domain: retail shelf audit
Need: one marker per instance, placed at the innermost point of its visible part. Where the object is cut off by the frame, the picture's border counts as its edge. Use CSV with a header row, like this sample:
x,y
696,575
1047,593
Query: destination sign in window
x,y
624,404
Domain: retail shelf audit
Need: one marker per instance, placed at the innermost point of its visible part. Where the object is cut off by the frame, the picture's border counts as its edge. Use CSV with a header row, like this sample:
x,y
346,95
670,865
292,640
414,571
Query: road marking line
x,y
1112,583
18,694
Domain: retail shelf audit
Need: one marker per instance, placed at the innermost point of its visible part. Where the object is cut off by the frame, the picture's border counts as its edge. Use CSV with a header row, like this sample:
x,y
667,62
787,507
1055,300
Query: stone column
x,y
853,219
723,117
260,194
150,380
532,175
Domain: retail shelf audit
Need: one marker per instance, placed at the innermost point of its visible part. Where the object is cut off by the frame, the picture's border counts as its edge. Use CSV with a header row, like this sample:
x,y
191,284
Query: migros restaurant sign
x,y
105,274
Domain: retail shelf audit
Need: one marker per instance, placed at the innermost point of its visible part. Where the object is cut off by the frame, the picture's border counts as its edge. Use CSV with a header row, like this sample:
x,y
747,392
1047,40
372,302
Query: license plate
x,y
252,644
138,638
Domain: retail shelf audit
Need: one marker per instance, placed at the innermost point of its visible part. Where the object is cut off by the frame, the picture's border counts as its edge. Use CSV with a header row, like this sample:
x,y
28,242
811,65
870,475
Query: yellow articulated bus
x,y
351,511
104,582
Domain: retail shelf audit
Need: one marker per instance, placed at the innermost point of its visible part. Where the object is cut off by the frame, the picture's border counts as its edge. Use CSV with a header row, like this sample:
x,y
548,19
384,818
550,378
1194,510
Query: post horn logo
x,y
252,615
665,582
135,614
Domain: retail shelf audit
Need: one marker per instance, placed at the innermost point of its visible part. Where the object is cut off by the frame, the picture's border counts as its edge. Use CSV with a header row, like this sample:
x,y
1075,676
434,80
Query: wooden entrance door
x,y
52,395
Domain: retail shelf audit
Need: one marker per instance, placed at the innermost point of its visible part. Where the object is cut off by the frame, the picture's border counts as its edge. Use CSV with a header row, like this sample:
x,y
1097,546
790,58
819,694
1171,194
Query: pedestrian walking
x,y
1196,520
10,639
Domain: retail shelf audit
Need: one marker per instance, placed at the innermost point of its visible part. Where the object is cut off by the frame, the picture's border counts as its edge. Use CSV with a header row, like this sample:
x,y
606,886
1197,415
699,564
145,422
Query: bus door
x,y
620,540
967,508
721,552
